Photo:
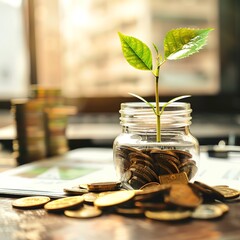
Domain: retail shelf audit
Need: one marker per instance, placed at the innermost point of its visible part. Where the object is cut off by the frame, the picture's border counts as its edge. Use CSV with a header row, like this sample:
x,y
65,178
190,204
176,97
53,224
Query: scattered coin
x,y
84,212
152,206
64,203
157,191
90,197
208,191
134,211
76,190
224,207
168,215
30,202
101,194
115,198
103,186
182,195
150,185
207,211
83,185
227,192
165,202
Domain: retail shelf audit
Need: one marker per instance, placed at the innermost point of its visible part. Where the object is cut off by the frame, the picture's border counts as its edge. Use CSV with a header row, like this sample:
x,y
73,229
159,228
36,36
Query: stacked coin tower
x,y
30,142
55,119
41,122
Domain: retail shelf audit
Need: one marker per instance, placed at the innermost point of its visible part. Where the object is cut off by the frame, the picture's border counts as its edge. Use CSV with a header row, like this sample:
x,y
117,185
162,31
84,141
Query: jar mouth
x,y
139,114
143,105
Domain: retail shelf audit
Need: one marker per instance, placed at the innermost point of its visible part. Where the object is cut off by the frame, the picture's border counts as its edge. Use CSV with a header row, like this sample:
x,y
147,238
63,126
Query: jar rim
x,y
135,114
183,105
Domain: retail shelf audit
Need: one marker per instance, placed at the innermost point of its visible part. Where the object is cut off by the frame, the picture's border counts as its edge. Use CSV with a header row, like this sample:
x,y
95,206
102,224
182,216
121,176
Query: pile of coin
x,y
41,123
140,166
164,202
30,144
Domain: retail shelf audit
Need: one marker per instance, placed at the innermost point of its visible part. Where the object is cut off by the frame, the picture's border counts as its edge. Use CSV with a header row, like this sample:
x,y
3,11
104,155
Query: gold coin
x,y
182,154
30,202
90,197
126,176
114,198
183,195
140,172
83,185
128,149
150,185
75,190
224,207
101,194
174,178
135,211
150,193
207,211
168,215
139,156
209,191
84,212
64,203
103,186
227,192
152,206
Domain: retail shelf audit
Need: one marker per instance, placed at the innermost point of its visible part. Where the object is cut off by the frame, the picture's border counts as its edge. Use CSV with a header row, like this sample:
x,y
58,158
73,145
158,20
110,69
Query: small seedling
x,y
178,43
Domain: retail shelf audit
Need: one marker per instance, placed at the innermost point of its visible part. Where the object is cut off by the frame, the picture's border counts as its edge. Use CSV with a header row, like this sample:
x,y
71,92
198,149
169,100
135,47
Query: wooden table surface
x,y
38,224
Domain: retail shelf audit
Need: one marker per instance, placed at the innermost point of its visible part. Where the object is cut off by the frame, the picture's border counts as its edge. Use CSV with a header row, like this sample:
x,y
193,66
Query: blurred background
x,y
73,45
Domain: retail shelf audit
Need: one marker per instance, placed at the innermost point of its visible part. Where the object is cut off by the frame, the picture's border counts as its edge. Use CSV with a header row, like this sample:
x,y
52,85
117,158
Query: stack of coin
x,y
56,116
29,119
103,186
93,187
52,96
41,123
56,124
55,120
164,202
140,166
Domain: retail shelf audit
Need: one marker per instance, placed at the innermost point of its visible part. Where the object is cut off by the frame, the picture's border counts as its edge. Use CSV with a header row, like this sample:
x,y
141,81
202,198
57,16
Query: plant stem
x,y
158,124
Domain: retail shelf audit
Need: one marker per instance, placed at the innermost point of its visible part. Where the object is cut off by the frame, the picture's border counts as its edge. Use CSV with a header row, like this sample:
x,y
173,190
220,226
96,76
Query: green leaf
x,y
171,101
136,52
183,42
156,48
144,100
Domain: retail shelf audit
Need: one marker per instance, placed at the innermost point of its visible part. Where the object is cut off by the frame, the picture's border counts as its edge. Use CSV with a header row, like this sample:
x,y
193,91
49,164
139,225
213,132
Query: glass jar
x,y
140,159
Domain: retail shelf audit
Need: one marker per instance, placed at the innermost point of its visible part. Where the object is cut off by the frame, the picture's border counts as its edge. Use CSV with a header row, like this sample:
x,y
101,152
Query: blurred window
x,y
78,49
14,61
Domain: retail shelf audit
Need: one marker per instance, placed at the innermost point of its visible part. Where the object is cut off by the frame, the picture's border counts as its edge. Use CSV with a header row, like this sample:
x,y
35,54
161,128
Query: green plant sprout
x,y
178,43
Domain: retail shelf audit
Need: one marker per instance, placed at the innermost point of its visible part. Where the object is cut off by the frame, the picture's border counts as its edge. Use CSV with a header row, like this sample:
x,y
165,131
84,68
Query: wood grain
x,y
37,224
